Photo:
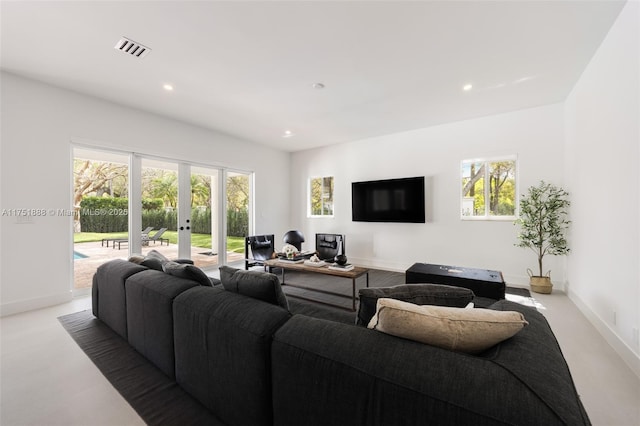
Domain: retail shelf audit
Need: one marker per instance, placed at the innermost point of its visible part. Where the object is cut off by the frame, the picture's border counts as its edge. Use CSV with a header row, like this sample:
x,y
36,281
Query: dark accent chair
x,y
158,236
295,238
328,246
257,249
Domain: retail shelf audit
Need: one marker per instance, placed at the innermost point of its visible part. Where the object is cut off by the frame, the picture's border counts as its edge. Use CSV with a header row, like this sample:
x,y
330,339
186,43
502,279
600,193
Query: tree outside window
x,y
489,189
321,196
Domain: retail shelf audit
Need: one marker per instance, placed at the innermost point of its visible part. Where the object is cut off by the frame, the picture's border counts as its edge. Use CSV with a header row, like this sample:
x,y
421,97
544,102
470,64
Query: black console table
x,y
483,283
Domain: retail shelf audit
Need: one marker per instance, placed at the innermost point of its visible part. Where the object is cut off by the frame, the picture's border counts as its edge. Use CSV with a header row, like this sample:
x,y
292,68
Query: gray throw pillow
x,y
418,294
136,258
154,260
184,270
256,284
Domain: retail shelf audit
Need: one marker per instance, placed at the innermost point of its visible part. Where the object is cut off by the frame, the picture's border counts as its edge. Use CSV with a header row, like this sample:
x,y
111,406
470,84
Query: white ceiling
x,y
247,68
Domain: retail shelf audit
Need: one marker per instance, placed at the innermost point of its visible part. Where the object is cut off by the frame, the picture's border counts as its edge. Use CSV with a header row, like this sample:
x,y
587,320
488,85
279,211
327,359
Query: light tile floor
x,y
47,380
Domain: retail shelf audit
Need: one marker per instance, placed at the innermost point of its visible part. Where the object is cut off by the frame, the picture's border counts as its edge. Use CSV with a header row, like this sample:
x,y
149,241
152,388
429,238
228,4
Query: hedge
x,y
100,214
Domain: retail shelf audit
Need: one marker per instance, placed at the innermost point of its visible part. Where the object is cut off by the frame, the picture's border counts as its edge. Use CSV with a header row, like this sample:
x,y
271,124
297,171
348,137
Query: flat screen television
x,y
391,200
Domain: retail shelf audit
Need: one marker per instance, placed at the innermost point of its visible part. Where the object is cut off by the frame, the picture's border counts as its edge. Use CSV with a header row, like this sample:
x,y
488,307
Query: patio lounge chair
x,y
145,237
158,236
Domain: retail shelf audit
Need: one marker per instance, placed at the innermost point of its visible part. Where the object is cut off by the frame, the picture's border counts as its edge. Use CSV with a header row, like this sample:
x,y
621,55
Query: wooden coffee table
x,y
352,274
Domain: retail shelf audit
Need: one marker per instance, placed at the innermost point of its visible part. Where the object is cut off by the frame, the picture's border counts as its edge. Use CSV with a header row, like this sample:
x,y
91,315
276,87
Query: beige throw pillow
x,y
457,329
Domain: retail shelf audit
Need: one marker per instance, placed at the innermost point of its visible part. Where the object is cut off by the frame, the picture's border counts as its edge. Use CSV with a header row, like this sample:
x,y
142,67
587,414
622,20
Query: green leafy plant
x,y
543,221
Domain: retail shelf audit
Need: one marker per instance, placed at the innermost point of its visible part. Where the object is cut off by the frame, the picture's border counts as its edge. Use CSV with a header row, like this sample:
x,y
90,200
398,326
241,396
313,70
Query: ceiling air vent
x,y
130,47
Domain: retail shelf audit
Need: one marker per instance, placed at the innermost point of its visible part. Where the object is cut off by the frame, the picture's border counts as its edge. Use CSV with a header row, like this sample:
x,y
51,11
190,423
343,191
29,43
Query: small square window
x,y
489,189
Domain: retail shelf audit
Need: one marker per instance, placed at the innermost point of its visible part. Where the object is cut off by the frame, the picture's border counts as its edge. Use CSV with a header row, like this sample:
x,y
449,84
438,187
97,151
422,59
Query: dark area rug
x,y
518,291
155,397
377,278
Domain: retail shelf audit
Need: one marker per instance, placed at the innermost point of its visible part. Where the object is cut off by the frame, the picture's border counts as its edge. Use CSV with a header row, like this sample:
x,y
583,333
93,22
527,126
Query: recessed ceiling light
x,y
467,87
167,87
287,134
318,86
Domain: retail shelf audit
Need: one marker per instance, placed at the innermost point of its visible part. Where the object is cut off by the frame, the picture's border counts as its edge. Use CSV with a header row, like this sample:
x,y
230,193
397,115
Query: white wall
x,y
39,122
534,135
603,157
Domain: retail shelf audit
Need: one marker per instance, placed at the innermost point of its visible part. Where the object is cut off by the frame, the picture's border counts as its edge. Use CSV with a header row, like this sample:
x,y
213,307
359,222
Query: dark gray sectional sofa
x,y
256,363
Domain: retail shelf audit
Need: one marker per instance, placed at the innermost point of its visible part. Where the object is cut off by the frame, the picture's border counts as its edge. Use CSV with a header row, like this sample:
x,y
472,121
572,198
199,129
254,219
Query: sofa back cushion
x,y
150,296
419,294
256,284
108,293
223,352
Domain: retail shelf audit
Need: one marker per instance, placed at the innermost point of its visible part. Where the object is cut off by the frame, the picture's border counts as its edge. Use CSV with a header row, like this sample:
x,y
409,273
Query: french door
x,y
181,202
181,209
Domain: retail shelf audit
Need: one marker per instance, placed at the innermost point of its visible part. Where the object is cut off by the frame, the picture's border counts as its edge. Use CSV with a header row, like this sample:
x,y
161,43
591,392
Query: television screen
x,y
392,200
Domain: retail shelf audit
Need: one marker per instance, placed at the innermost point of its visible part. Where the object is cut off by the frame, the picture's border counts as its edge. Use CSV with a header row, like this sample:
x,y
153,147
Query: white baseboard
x,y
81,292
12,308
523,281
379,264
619,346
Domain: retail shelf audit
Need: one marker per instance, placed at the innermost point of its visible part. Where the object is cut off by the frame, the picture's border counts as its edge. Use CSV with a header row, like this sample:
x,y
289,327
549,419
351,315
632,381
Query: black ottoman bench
x,y
482,282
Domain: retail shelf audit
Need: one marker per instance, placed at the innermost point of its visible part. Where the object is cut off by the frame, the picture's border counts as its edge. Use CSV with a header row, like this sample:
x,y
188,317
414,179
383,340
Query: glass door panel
x,y
238,188
204,218
159,197
100,212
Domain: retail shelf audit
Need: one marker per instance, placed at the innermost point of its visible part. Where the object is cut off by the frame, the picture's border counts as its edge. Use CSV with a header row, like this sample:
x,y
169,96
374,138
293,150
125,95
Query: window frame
x,y
310,200
487,216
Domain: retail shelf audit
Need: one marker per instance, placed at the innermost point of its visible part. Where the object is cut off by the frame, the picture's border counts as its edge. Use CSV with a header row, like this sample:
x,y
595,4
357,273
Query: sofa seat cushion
x,y
316,310
185,270
457,329
419,294
256,284
361,377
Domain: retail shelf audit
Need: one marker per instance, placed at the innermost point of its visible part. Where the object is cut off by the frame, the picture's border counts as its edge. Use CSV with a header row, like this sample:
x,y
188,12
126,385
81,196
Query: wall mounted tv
x,y
391,200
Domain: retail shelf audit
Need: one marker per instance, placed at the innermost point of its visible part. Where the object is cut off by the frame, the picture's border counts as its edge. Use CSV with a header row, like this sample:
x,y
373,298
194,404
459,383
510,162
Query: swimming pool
x,y
77,255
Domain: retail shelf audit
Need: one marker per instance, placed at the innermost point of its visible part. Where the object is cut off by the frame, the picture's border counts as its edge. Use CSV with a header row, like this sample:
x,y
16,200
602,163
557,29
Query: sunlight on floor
x,y
526,301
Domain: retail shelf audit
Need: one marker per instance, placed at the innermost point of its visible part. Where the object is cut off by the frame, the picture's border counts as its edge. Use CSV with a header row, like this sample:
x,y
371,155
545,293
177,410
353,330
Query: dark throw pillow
x,y
418,294
256,284
185,270
154,260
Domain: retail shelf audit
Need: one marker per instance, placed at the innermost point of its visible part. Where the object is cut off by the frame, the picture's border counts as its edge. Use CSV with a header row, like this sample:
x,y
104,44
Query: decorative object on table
x,y
543,224
314,261
344,267
295,238
289,251
341,259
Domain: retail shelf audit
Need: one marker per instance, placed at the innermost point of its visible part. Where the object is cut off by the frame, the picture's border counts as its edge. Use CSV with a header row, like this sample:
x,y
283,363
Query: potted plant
x,y
543,224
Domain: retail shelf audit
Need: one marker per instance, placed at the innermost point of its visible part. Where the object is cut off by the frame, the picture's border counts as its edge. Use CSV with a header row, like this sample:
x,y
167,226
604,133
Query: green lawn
x,y
235,244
